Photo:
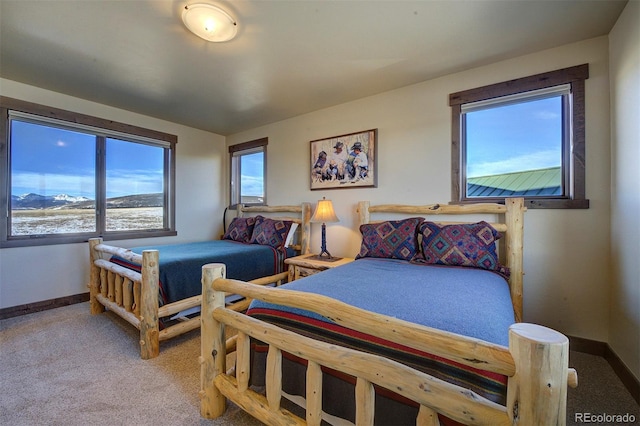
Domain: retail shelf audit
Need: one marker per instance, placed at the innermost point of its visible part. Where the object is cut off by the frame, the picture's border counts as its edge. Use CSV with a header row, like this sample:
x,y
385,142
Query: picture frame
x,y
345,161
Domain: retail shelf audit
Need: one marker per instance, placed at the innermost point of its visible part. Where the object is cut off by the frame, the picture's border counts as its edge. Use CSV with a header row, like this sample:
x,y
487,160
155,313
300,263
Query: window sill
x,y
534,203
66,239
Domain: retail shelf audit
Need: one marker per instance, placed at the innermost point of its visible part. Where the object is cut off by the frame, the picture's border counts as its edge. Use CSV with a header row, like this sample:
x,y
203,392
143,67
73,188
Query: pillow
x,y
240,229
291,234
393,239
271,232
470,244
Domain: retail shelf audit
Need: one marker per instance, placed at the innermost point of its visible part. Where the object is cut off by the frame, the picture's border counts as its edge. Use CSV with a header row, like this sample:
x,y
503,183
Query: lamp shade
x,y
209,22
324,212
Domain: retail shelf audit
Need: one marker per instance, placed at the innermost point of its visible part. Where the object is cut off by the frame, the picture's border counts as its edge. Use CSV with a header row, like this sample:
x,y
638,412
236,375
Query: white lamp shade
x,y
209,22
324,212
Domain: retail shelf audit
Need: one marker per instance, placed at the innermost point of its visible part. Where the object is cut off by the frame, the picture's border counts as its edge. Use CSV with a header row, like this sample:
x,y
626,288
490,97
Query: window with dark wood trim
x,y
67,177
249,172
569,178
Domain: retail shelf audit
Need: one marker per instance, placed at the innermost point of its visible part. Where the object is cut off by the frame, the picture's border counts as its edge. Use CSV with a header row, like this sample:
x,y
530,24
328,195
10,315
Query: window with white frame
x,y
67,177
521,138
248,172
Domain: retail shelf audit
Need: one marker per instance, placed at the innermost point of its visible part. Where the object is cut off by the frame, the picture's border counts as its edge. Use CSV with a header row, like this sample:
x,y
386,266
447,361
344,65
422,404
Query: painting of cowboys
x,y
346,159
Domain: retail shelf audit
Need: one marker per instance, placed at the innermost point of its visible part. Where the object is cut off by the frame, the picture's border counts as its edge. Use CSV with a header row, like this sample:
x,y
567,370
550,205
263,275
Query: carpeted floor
x,y
55,371
599,393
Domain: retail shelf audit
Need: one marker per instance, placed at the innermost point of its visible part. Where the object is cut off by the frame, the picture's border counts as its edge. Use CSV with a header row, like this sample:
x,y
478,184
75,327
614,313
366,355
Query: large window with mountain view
x,y
69,177
521,138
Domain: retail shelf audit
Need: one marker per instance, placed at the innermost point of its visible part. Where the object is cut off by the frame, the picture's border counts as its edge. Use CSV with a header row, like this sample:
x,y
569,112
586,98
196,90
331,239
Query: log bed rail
x,y
134,295
536,362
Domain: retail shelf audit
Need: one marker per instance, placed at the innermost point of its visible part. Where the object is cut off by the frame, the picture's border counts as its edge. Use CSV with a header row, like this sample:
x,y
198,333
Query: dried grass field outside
x,y
61,221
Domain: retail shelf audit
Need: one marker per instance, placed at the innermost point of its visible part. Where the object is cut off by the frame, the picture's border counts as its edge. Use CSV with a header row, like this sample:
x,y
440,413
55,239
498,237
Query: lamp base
x,y
324,258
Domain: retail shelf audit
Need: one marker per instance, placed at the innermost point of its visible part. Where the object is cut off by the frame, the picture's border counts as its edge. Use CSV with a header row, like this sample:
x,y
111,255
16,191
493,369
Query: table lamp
x,y
324,214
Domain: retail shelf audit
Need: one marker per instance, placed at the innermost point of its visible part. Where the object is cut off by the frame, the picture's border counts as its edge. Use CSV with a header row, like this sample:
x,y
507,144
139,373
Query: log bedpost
x,y
213,351
149,294
94,277
514,219
363,212
306,232
537,392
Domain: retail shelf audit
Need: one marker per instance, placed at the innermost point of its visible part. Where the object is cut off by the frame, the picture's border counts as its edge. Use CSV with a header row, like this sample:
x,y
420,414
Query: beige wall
x,y
33,274
566,251
624,46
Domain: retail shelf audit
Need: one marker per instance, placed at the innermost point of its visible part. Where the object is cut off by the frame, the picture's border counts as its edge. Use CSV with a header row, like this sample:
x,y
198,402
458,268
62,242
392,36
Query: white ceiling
x,y
289,58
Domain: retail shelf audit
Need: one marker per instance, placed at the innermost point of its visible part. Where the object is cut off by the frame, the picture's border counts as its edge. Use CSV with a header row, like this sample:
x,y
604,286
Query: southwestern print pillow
x,y
240,229
271,232
472,244
392,239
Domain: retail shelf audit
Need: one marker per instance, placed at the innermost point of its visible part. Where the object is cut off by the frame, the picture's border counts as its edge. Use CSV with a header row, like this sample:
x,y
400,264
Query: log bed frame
x,y
536,361
134,295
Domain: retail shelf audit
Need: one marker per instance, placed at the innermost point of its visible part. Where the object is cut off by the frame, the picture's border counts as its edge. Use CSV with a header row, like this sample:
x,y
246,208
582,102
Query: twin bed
x,y
158,288
423,327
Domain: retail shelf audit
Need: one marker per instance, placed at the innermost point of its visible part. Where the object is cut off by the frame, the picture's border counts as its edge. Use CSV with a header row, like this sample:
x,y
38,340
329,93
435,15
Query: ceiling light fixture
x,y
209,22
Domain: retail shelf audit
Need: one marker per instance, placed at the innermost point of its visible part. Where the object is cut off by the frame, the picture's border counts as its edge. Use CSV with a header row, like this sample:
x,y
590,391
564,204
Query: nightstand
x,y
305,265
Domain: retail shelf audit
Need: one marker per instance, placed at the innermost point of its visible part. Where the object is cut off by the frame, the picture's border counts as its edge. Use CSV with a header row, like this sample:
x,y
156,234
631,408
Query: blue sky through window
x,y
517,137
252,180
50,161
133,168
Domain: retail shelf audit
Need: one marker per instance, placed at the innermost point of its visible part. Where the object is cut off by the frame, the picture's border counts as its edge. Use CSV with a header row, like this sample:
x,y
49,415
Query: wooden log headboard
x,y
303,220
510,223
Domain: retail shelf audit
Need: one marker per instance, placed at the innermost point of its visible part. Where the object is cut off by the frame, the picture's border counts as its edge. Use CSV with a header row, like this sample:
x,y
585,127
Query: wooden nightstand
x,y
305,265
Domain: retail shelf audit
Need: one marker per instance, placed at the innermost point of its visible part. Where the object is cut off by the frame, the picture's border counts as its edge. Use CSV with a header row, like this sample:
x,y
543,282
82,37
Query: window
x,y
521,138
70,177
248,172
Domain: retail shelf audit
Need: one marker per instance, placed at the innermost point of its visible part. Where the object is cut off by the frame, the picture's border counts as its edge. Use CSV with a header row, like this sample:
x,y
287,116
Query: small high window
x,y
521,138
248,172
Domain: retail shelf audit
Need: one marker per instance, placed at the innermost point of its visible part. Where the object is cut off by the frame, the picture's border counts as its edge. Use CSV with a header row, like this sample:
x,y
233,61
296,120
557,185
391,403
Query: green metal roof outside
x,y
541,182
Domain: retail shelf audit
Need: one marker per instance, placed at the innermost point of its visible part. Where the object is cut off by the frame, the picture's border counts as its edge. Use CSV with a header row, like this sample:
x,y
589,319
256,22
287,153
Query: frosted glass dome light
x,y
209,22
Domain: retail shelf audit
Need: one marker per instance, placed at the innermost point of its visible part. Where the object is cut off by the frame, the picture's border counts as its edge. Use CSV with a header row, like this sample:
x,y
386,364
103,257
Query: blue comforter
x,y
461,300
468,301
181,264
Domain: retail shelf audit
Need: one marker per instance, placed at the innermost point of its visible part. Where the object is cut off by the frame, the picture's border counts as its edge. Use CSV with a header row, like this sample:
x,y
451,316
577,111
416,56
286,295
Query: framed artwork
x,y
346,161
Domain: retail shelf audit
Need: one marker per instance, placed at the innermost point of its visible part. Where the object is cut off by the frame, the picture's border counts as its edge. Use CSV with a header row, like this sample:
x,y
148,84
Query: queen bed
x,y
423,327
158,288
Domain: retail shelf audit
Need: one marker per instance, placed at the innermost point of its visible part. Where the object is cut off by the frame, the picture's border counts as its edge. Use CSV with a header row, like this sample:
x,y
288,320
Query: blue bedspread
x,y
181,264
461,300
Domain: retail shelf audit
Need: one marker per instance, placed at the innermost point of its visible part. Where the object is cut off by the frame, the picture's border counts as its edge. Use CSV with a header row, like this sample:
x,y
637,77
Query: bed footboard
x,y
129,294
134,295
536,363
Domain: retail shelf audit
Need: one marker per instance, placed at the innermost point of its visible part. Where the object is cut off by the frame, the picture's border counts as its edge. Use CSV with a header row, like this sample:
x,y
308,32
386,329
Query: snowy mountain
x,y
36,201
70,198
33,201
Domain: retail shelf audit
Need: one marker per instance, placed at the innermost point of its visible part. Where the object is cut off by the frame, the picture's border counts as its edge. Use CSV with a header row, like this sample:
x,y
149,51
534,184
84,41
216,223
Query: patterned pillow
x,y
393,239
270,232
472,244
240,229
